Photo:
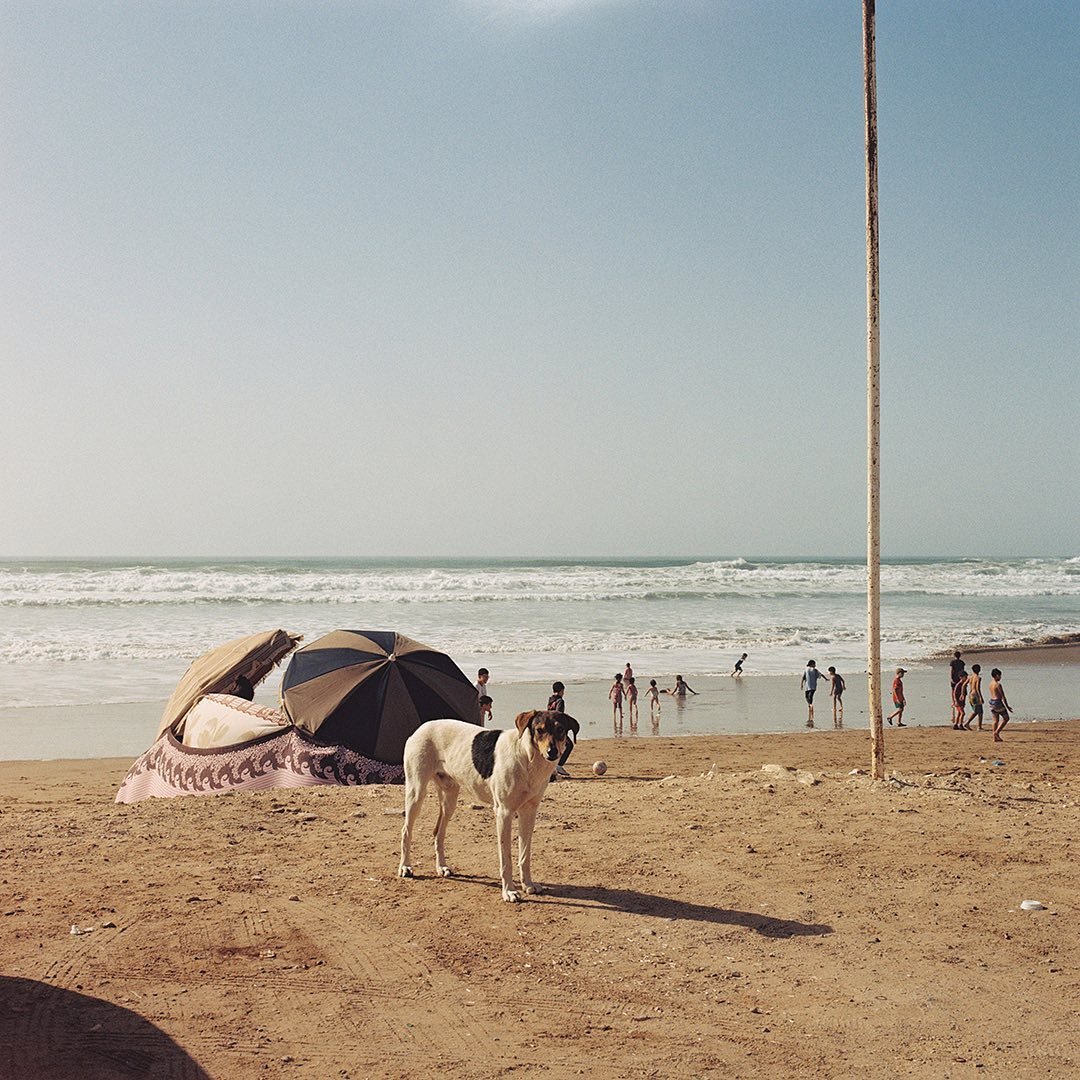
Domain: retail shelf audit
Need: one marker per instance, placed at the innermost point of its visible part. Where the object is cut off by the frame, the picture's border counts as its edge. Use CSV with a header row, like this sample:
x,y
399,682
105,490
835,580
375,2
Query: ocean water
x,y
99,632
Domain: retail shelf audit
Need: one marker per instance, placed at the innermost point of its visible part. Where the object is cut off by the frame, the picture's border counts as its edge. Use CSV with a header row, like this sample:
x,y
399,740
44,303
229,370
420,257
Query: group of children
x,y
964,688
810,679
968,687
624,688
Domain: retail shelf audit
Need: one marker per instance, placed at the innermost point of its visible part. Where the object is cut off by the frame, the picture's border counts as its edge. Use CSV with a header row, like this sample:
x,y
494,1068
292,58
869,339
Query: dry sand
x,y
707,918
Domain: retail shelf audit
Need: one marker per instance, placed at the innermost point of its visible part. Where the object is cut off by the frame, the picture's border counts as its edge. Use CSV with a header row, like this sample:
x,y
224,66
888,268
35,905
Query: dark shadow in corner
x,y
48,1033
664,907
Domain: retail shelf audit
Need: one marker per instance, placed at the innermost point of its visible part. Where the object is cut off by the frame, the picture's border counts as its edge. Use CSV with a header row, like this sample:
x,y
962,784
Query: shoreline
x,y
1040,682
927,750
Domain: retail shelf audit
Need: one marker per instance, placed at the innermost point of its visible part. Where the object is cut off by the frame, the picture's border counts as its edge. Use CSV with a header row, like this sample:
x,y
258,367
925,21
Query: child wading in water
x,y
680,688
999,706
631,701
616,695
898,698
653,694
837,686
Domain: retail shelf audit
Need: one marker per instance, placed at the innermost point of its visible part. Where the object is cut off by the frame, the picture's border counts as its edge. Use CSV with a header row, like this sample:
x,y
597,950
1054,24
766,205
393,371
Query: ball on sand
x,y
599,767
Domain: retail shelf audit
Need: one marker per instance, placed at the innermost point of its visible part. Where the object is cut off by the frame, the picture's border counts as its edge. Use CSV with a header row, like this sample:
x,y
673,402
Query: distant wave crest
x,y
585,582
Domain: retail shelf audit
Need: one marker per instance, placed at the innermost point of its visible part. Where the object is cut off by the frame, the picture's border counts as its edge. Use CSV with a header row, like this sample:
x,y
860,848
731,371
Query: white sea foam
x,y
582,582
532,617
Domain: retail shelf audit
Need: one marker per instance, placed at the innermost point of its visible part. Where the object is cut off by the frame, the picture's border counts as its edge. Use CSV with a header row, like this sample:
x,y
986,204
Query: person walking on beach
x,y
898,698
631,701
680,688
959,697
556,704
628,672
616,696
809,688
999,705
956,673
837,686
737,672
974,685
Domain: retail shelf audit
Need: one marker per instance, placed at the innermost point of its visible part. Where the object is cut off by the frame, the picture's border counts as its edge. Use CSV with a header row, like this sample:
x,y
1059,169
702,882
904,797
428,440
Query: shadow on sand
x,y
48,1033
663,907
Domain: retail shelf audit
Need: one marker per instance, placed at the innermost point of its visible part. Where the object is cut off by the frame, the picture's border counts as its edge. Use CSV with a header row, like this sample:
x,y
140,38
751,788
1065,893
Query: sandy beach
x,y
706,917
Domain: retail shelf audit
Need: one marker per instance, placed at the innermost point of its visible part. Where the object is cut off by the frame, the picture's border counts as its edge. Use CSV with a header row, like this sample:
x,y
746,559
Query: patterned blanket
x,y
285,759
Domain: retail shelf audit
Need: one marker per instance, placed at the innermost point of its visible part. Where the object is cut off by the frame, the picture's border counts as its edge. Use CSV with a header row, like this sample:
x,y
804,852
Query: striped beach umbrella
x,y
371,689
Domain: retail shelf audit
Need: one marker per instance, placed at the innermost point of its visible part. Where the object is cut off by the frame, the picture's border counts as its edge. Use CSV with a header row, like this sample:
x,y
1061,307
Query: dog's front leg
x,y
504,820
526,823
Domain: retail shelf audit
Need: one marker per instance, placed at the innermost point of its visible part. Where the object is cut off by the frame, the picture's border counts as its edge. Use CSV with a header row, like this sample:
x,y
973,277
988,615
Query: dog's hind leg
x,y
504,820
448,797
414,799
526,823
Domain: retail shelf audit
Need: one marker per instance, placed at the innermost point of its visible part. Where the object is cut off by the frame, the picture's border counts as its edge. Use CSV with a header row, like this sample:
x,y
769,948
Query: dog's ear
x,y
523,720
571,723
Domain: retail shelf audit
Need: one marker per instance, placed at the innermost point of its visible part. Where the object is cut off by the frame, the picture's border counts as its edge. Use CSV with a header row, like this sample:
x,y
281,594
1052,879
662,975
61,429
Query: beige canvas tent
x,y
216,672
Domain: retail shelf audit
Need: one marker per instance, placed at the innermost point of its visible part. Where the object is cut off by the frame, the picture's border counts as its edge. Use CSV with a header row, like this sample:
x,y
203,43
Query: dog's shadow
x,y
665,907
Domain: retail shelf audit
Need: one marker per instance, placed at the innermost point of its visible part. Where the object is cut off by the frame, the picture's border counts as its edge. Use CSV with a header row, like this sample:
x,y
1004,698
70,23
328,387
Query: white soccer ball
x,y
599,767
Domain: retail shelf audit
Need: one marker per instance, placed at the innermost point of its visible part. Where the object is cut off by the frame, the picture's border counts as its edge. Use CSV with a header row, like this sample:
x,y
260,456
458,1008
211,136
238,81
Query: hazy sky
x,y
399,277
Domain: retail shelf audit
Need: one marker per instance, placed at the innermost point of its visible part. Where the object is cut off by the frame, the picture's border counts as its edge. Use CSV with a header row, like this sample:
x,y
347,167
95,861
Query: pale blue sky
x,y
587,276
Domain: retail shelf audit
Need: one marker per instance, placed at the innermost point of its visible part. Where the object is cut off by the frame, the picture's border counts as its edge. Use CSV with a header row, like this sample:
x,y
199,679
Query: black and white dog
x,y
507,769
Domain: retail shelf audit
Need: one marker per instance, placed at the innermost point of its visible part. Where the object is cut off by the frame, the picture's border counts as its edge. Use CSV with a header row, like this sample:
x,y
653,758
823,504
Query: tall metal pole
x,y
873,406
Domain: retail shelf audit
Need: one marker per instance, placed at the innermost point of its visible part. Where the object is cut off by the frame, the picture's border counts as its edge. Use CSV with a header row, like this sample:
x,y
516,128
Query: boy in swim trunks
x,y
999,706
837,686
975,696
737,673
898,698
959,696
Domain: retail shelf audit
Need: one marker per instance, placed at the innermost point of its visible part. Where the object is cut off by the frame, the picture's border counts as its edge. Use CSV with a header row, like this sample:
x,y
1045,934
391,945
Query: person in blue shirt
x,y
809,685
